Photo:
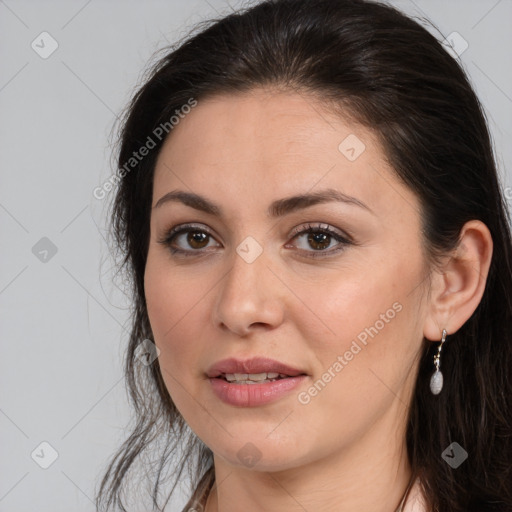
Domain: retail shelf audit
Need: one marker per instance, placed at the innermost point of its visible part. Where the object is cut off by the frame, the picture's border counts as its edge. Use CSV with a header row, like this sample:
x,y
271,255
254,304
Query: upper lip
x,y
254,365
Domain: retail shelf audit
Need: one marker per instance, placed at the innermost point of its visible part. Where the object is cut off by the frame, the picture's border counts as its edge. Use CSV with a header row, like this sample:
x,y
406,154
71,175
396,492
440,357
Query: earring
x,y
436,381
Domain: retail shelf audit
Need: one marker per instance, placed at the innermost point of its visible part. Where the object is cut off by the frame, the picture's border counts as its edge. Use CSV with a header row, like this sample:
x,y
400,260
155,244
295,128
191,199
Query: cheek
x,y
177,314
345,307
167,302
360,366
368,317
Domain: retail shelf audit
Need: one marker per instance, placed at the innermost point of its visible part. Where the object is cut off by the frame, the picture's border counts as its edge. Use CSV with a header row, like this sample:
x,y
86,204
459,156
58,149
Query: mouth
x,y
257,370
257,382
254,382
253,378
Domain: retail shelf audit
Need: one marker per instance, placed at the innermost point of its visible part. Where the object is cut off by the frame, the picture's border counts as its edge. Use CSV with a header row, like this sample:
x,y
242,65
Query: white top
x,y
415,501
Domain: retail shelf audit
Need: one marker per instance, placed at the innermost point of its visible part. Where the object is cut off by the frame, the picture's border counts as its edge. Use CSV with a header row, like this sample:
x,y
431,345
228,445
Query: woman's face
x,y
344,307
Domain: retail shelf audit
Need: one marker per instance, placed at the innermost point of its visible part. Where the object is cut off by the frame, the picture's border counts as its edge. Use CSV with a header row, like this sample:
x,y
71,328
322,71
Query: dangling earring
x,y
436,381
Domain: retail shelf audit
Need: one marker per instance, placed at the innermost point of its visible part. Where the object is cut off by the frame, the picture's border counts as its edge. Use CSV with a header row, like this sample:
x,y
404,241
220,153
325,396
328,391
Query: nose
x,y
250,297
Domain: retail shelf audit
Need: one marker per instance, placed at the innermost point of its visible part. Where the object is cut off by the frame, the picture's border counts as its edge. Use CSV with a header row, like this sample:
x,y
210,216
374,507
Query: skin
x,y
345,449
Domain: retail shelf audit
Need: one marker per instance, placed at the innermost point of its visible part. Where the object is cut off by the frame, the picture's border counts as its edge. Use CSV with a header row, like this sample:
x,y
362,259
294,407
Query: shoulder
x,y
415,500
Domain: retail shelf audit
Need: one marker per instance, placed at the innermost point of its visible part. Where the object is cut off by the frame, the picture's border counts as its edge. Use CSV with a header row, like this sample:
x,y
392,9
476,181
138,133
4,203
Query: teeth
x,y
252,378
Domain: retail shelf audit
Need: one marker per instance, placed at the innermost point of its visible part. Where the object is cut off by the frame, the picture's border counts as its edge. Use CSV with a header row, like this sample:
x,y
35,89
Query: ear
x,y
458,287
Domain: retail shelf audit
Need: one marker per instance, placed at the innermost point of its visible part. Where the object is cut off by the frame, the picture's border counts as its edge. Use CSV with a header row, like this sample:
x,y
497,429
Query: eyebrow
x,y
278,208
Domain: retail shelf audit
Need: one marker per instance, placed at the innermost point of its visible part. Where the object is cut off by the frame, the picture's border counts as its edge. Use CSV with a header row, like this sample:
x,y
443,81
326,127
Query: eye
x,y
194,240
195,237
319,238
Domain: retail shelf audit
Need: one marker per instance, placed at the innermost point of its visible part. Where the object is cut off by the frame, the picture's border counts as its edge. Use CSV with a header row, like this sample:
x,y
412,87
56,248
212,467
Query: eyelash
x,y
172,233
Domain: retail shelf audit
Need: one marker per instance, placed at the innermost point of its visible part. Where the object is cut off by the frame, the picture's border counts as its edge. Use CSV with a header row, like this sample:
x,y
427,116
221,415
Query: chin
x,y
248,452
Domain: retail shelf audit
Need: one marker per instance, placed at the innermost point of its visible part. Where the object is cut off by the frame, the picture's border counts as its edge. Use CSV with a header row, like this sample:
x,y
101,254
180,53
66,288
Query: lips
x,y
227,381
251,366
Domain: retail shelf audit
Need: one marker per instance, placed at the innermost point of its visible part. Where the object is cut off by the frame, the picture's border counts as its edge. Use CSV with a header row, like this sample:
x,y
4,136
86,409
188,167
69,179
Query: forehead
x,y
275,143
275,121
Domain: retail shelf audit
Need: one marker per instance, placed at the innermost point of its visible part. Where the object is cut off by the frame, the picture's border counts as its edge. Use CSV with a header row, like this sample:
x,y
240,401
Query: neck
x,y
372,474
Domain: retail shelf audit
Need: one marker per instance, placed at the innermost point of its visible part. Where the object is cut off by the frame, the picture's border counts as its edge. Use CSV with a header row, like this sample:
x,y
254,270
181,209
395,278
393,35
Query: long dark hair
x,y
389,73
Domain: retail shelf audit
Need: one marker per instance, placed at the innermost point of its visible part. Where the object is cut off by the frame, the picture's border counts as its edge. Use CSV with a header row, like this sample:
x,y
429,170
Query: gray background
x,y
63,321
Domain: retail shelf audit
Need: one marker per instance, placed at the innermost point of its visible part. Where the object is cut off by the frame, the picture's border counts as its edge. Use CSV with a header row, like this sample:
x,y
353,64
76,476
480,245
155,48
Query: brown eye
x,y
197,239
187,240
319,240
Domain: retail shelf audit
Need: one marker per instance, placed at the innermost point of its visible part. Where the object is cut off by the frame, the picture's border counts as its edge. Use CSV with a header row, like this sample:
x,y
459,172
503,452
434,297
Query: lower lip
x,y
252,395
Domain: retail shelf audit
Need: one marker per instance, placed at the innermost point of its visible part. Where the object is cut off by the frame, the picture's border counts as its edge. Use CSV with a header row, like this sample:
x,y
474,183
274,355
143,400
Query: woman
x,y
310,212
